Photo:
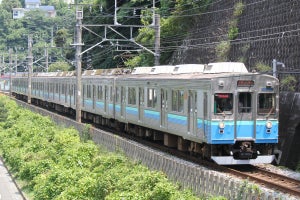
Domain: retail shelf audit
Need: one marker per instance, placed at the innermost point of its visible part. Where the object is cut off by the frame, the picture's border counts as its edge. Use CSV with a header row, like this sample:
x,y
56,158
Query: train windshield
x,y
223,103
245,103
266,103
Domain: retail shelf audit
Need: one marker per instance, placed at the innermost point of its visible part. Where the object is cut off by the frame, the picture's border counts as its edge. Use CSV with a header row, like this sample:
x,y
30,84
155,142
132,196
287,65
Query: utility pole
x,y
78,44
46,59
3,65
276,63
157,40
16,63
1,75
10,71
30,63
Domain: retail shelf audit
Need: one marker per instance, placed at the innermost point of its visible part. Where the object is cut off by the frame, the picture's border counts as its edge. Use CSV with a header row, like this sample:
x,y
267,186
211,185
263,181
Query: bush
x,y
288,83
222,50
55,164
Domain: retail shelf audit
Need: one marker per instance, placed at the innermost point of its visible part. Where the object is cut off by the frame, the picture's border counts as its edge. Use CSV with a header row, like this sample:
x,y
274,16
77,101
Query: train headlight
x,y
269,124
221,125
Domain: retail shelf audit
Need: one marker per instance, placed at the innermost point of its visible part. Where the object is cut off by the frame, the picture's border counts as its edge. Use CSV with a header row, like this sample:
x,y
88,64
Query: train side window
x,y
177,100
100,92
266,103
57,88
118,94
131,96
71,90
223,103
83,92
63,89
151,97
111,94
244,104
88,91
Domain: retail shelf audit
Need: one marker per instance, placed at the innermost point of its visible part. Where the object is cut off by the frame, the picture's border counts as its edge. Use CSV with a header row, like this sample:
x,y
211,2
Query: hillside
x,y
263,30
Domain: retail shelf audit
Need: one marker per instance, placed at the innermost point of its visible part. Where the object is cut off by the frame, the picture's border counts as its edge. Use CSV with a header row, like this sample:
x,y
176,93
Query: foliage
x,y
3,112
233,32
238,9
59,66
14,32
222,50
61,38
134,62
55,163
261,67
85,134
174,15
233,29
8,5
288,83
142,59
247,188
172,25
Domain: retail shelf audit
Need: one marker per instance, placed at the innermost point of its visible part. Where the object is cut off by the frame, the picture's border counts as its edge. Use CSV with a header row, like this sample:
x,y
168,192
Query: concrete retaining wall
x,y
199,179
289,129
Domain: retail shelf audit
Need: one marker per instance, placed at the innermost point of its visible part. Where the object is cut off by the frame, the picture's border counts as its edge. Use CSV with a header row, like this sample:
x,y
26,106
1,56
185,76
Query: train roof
x,y
225,67
182,71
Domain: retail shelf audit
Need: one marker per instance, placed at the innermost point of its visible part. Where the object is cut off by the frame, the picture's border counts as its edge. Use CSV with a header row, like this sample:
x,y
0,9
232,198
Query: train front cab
x,y
247,131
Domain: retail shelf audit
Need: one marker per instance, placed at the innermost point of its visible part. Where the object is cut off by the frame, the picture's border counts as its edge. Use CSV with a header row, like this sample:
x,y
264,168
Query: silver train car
x,y
218,111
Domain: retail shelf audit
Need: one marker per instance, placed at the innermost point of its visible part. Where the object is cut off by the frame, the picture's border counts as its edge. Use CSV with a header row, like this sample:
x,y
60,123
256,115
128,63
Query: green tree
x,y
59,66
9,5
61,37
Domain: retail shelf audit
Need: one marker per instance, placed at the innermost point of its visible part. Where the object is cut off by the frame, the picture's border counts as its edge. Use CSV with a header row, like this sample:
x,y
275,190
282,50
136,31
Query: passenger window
x,y
88,91
118,95
111,94
151,97
177,100
62,88
100,93
223,103
244,104
266,103
131,96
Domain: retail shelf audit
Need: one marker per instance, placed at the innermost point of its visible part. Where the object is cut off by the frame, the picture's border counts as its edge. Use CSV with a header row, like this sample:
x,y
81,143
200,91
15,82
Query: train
x,y
217,111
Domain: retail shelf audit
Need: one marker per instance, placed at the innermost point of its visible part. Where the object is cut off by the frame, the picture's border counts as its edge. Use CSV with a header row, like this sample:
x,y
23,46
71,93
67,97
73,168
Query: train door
x,y
192,112
163,107
141,103
244,119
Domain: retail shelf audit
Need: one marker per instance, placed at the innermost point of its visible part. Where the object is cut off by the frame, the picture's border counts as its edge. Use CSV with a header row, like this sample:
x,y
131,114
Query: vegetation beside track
x,y
55,163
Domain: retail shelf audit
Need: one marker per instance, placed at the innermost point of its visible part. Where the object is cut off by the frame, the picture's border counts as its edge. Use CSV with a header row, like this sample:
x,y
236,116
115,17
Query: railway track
x,y
267,178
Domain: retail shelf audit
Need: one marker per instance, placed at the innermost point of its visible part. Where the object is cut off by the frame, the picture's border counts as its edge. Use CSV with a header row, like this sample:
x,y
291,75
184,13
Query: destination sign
x,y
245,83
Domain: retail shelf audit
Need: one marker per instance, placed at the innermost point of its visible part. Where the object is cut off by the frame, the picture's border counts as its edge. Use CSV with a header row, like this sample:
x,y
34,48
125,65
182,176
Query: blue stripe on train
x,y
150,114
132,111
177,119
100,104
118,108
